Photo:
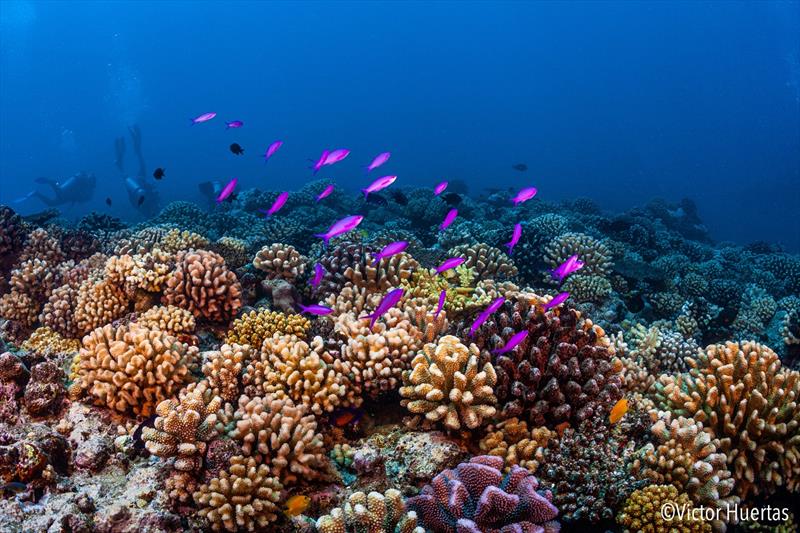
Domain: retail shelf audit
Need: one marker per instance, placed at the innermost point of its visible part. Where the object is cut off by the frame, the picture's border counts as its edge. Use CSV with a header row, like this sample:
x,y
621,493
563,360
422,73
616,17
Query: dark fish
x,y
14,486
236,149
141,201
522,167
138,442
108,201
451,198
399,197
159,173
376,199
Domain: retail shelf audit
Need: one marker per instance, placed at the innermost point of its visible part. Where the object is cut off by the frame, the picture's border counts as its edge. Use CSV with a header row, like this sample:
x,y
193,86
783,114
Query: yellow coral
x,y
642,512
516,444
176,240
46,341
253,327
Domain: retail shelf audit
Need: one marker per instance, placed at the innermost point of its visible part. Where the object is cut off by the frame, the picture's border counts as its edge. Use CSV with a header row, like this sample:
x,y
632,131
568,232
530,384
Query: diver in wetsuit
x,y
77,189
141,189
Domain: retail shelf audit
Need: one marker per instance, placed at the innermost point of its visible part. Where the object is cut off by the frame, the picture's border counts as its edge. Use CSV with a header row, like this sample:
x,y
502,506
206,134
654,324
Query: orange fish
x,y
618,411
345,417
561,427
296,505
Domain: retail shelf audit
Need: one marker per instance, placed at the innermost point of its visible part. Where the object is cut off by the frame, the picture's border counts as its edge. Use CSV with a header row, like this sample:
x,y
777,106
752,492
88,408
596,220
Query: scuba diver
x,y
141,190
77,189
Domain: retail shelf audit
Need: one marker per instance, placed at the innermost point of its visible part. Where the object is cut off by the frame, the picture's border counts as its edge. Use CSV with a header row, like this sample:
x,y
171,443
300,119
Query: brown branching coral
x,y
19,307
242,498
253,327
516,444
203,284
146,272
643,512
59,312
742,395
487,261
223,369
595,255
372,513
40,245
388,273
280,261
446,384
282,435
234,251
169,319
130,368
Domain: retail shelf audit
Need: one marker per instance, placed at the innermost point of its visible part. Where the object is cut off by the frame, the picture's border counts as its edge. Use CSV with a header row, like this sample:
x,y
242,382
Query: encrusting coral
x,y
280,261
202,284
370,513
643,512
253,327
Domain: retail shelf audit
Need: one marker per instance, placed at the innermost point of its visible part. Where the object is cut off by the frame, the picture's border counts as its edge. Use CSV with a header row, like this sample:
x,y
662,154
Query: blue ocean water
x,y
620,102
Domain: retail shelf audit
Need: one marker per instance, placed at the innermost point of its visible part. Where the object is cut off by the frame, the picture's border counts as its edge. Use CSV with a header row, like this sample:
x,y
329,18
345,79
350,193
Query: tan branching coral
x,y
516,444
587,288
169,319
19,307
280,261
388,273
146,272
223,369
253,327
46,341
59,312
742,395
371,513
643,512
595,255
40,245
282,435
446,385
242,498
487,261
234,251
351,299
203,284
130,368
176,240
99,302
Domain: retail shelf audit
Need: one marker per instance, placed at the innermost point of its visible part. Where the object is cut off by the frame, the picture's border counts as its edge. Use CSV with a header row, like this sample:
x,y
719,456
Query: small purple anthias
x,y
512,343
205,117
453,262
557,300
378,185
321,161
319,272
234,124
340,227
318,310
276,205
572,264
271,149
448,219
485,314
514,238
227,190
524,195
336,156
326,192
388,301
389,250
439,189
442,298
379,160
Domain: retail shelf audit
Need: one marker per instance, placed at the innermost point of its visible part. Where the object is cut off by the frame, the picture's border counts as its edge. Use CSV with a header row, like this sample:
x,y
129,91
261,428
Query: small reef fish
x,y
524,195
388,301
451,198
485,314
321,161
442,298
339,227
319,310
296,505
234,124
271,149
379,184
205,117
448,219
572,264
514,238
451,263
336,156
557,300
512,343
439,189
14,486
346,416
560,428
379,160
227,190
522,167
618,411
276,205
319,272
236,149
325,193
390,250
158,173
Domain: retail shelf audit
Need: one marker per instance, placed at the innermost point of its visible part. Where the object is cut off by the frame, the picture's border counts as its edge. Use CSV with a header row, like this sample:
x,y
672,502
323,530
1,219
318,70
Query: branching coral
x,y
280,261
146,272
588,288
131,368
447,384
643,512
516,444
595,255
234,251
169,319
488,261
253,327
476,497
46,341
223,369
176,240
740,393
370,513
388,273
203,284
99,302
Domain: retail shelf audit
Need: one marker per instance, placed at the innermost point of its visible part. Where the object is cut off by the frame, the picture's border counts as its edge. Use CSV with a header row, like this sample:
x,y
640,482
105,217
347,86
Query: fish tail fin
x,y
192,121
366,193
324,236
23,198
302,307
510,247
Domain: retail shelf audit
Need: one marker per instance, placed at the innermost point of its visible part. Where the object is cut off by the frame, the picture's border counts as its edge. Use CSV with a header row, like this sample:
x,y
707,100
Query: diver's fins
x,y
23,198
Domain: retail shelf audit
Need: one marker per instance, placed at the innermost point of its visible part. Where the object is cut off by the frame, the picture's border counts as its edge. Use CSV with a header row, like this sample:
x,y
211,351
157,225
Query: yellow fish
x,y
618,411
296,505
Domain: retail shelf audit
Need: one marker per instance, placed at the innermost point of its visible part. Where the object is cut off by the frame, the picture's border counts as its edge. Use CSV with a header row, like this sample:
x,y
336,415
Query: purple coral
x,y
476,497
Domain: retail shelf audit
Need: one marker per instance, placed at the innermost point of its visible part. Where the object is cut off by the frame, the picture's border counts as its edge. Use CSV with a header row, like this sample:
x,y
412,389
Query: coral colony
x,y
387,365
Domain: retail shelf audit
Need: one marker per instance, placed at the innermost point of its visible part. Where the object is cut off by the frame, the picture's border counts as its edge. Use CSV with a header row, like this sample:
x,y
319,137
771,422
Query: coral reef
x,y
280,261
373,512
254,327
642,511
202,284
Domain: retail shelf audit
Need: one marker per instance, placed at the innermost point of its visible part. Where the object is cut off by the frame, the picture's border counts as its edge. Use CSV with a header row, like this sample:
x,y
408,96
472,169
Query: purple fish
x,y
319,271
272,149
389,301
442,298
512,343
327,192
227,190
378,185
448,219
439,189
379,160
205,117
572,264
277,204
485,314
557,300
524,195
390,250
321,161
336,156
514,238
339,227
319,310
450,263
234,124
